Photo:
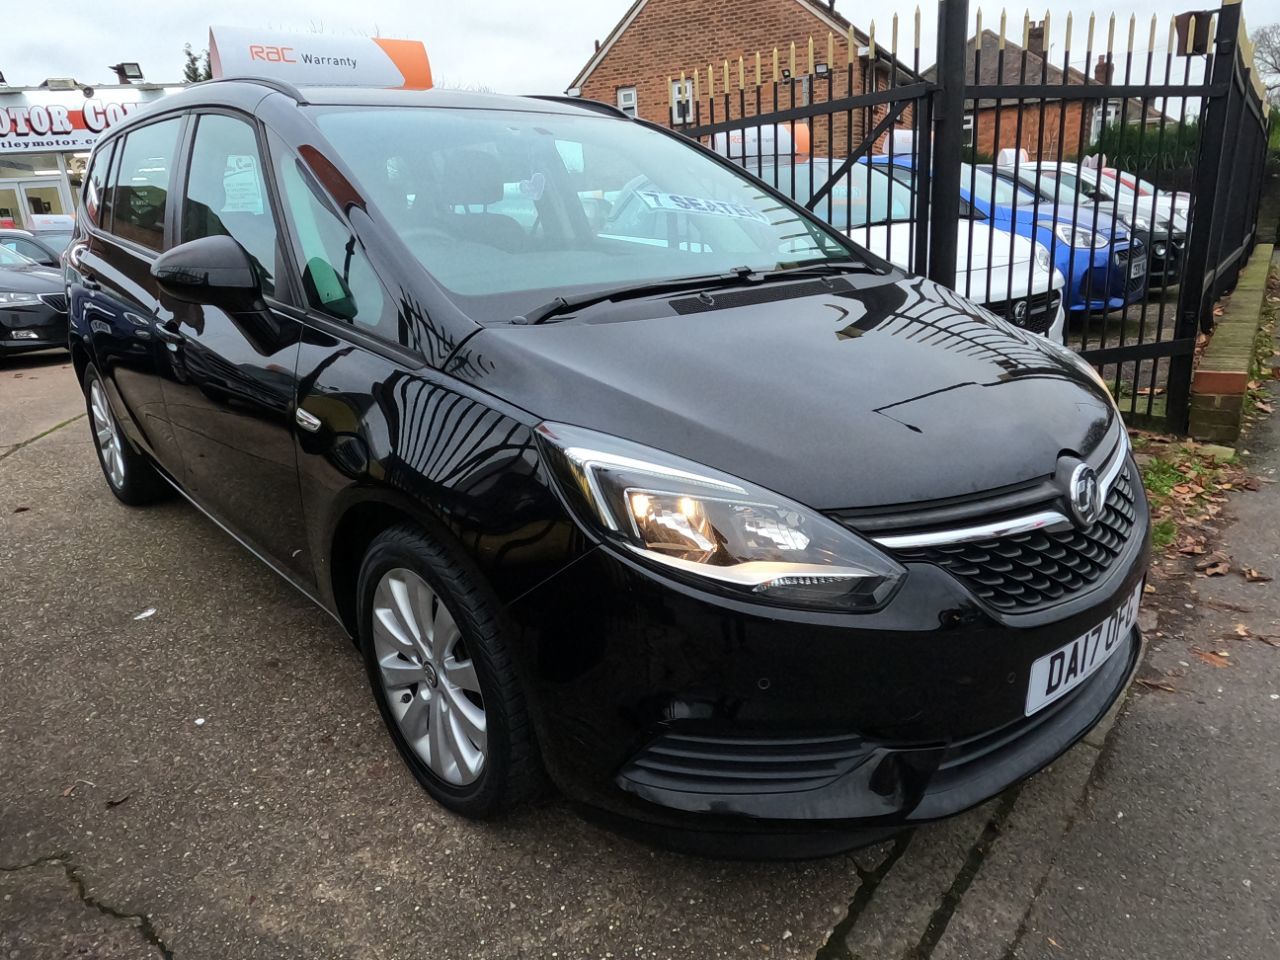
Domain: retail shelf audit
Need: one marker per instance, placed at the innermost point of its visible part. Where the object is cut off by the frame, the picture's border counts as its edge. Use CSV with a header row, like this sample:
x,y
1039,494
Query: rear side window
x,y
141,185
95,185
25,247
226,193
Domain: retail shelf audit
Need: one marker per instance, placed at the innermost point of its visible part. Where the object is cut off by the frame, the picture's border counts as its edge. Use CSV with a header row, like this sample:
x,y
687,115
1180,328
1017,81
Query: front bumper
x,y
1105,278
728,728
37,327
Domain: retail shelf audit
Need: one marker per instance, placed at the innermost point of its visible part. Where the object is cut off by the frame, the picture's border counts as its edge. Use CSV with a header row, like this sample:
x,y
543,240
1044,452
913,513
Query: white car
x,y
1011,276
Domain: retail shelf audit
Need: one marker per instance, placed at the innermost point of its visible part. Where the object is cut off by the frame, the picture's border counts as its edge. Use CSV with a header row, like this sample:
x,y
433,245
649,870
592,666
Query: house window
x,y
966,136
627,100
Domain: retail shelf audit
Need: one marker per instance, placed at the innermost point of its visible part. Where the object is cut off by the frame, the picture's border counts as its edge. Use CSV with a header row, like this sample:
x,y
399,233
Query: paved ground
x,y
212,781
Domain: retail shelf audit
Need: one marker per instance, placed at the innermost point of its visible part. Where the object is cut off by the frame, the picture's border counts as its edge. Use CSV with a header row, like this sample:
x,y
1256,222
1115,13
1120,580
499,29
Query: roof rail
x,y
599,106
280,86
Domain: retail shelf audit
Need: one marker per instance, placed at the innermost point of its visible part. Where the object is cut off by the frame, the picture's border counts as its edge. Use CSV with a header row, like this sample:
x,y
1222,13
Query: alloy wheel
x,y
428,678
107,434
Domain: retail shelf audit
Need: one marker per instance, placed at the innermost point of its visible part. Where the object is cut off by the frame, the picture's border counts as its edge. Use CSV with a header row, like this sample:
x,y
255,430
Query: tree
x,y
1266,59
196,67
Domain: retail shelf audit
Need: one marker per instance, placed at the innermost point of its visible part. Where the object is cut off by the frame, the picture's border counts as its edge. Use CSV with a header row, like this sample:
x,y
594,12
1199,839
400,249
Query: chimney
x,y
597,45
1035,39
1103,70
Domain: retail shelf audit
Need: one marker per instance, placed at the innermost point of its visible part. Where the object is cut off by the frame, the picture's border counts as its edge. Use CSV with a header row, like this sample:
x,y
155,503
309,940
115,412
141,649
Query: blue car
x,y
1105,267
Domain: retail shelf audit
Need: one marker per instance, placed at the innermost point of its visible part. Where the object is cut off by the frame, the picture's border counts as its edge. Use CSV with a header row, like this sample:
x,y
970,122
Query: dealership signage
x,y
308,58
46,120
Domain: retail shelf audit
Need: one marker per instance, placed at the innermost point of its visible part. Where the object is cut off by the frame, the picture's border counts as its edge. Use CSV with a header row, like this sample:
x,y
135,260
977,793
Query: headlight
x,y
1075,237
709,527
1159,249
1042,256
13,299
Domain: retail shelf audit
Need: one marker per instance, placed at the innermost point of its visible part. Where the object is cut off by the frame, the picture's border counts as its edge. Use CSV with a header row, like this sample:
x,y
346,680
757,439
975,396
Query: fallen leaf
x,y
1218,569
149,612
1156,685
1262,406
117,801
1242,630
69,791
1212,659
21,509
1192,549
1255,576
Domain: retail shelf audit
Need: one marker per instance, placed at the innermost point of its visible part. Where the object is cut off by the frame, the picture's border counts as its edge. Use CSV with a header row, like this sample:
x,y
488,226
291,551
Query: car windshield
x,y
10,258
991,189
862,197
1057,188
55,240
510,209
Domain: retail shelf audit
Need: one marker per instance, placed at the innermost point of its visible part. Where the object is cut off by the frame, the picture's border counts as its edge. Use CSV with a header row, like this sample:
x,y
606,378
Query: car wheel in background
x,y
443,678
129,474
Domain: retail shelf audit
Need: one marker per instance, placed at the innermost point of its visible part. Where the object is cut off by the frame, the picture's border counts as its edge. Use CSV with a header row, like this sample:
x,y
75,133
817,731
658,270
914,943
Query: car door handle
x,y
307,421
169,333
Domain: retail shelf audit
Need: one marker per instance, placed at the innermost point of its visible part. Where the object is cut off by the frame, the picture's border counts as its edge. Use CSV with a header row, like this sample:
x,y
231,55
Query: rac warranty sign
x,y
312,59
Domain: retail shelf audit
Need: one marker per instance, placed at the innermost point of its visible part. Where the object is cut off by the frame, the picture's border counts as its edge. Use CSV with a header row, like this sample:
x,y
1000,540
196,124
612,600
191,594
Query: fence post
x,y
1208,182
948,129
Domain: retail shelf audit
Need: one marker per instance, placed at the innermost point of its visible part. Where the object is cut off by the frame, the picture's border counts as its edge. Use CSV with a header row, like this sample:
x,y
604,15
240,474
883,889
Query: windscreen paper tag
x,y
720,208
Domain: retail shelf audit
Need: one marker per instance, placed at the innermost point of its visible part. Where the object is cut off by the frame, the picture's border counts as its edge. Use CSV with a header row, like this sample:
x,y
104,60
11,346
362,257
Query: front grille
x,y
1135,251
56,300
705,763
1027,571
1041,308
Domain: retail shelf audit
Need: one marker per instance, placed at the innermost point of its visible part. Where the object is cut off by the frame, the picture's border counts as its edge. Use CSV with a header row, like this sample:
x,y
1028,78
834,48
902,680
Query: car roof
x,y
247,93
16,232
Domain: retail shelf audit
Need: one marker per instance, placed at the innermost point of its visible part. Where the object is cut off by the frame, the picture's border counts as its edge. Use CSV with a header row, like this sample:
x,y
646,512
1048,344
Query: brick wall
x,y
671,36
1061,133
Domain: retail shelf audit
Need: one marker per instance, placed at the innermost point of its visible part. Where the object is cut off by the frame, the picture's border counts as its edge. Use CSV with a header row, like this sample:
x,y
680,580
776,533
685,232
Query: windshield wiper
x,y
735,277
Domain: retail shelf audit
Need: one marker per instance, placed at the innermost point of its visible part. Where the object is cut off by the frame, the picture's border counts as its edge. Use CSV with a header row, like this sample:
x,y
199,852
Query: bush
x,y
1147,150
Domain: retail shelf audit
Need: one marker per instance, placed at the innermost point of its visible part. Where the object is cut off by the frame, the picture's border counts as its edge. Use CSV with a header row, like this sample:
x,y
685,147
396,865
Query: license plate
x,y
1137,267
1056,674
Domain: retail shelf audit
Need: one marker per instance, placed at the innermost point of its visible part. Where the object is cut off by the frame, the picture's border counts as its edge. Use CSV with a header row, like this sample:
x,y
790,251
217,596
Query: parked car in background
x,y
1155,218
43,250
1011,276
1105,268
739,533
33,305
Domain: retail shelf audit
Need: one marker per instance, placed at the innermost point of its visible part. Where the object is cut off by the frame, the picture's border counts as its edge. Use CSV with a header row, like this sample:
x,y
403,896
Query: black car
x,y
33,305
731,529
43,248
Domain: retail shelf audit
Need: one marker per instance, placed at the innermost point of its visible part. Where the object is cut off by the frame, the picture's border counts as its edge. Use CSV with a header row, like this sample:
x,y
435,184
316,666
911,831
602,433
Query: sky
x,y
509,46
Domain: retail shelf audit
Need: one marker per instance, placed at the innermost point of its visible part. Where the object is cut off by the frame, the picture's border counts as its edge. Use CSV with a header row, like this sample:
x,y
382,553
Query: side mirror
x,y
211,270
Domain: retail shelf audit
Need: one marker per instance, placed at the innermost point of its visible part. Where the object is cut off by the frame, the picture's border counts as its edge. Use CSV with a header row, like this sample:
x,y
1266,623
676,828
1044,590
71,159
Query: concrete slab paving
x,y
45,915
37,393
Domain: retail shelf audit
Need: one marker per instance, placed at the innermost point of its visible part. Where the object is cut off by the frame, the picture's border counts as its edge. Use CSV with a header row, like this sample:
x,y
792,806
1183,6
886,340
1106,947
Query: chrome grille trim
x,y
1048,520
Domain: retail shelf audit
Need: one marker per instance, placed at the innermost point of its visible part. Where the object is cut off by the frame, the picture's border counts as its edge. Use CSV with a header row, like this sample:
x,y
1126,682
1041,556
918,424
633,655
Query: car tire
x,y
128,473
438,662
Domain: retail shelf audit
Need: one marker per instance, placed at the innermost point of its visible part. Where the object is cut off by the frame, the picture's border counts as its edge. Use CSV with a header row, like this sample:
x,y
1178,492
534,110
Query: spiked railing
x,y
1135,163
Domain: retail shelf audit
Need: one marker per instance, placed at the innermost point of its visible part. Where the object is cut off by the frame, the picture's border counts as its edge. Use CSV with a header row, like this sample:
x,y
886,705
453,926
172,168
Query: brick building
x,y
639,64
1048,129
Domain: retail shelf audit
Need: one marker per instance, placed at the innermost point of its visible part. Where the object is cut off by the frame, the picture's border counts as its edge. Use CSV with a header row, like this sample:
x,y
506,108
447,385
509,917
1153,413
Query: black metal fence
x,y
1101,190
